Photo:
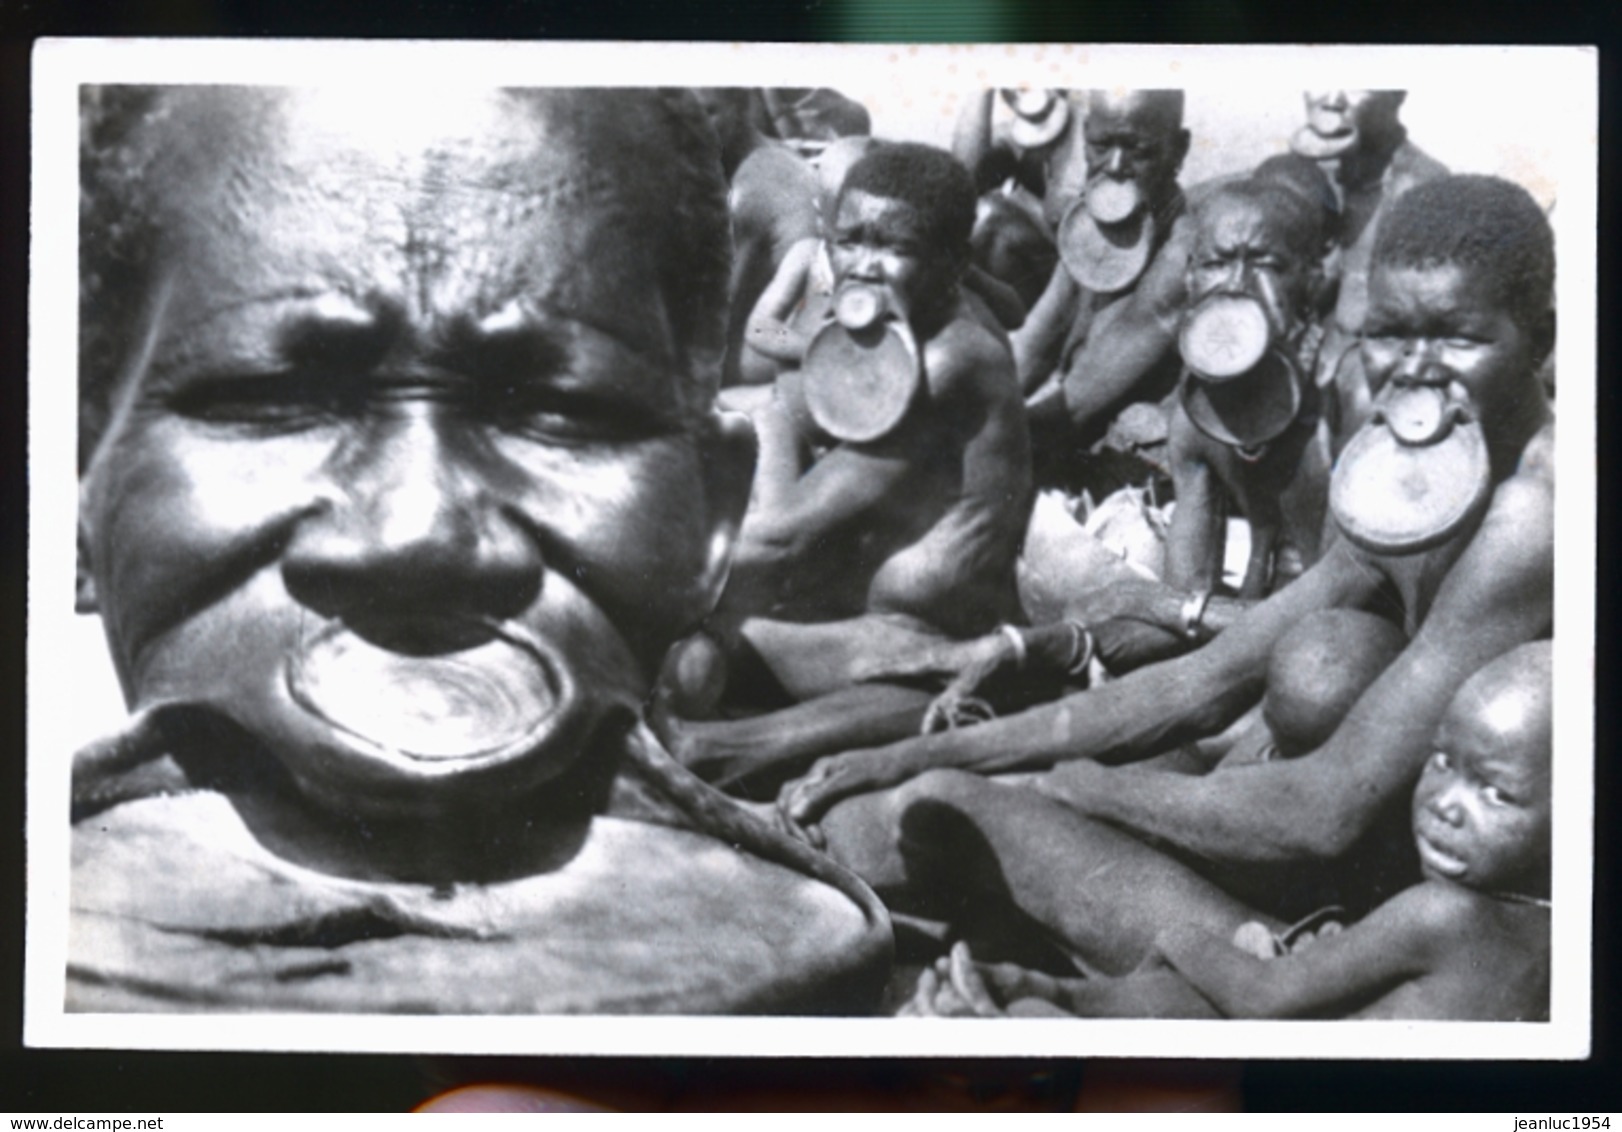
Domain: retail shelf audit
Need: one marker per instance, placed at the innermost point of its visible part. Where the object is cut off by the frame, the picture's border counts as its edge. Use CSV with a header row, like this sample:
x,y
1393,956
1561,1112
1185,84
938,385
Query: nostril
x,y
348,567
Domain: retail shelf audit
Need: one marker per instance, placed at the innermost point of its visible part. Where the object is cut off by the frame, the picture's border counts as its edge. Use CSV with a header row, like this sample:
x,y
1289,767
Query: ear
x,y
1542,337
729,473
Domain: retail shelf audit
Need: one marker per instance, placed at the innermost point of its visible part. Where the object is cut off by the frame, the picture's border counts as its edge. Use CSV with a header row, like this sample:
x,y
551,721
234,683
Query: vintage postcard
x,y
812,550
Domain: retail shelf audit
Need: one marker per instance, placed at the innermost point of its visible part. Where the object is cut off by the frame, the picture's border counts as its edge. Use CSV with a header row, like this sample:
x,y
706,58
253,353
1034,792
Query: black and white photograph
x,y
904,550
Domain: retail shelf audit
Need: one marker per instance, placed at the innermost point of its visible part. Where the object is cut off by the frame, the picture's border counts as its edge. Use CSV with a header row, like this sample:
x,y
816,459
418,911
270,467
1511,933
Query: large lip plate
x,y
562,696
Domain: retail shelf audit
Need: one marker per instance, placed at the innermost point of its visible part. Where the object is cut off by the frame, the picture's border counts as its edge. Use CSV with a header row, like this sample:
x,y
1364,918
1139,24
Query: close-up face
x,y
884,242
1442,326
1242,249
1481,812
1345,119
1134,139
407,474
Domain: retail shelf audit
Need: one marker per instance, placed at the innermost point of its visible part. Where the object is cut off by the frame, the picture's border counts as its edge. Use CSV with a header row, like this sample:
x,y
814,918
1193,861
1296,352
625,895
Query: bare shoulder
x,y
1522,510
1436,906
773,182
964,358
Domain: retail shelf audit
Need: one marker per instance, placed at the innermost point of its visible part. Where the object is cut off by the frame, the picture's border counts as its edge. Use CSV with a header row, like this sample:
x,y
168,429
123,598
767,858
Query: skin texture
x,y
1010,244
1481,810
774,206
335,421
880,547
1465,602
1377,164
921,522
1053,174
1458,946
429,408
1105,351
1242,249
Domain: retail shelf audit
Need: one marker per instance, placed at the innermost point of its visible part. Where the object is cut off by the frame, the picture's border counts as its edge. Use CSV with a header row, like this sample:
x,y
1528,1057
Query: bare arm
x,y
1039,342
853,481
772,210
770,329
971,138
781,461
1137,716
1129,337
839,489
1498,595
1337,974
1194,542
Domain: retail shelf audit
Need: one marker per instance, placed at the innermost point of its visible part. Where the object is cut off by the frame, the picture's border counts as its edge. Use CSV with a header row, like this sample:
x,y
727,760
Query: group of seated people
x,y
1121,788
1291,761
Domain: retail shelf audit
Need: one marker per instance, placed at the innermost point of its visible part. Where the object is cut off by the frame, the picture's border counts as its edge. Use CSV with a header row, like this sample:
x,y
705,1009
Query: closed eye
x,y
273,402
543,410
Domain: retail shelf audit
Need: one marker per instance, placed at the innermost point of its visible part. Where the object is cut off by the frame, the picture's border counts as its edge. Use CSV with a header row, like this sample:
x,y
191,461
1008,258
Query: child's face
x,y
885,242
1481,809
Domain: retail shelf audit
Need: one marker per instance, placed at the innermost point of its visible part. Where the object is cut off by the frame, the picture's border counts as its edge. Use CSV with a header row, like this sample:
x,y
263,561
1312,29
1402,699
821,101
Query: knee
x,y
694,676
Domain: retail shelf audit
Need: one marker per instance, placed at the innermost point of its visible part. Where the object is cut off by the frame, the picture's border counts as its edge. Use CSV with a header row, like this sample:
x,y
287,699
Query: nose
x,y
865,265
1115,161
413,533
1419,363
1447,804
1334,100
1236,275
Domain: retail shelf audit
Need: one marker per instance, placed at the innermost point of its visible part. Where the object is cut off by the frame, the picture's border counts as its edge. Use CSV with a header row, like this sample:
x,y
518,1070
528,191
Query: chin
x,y
1437,862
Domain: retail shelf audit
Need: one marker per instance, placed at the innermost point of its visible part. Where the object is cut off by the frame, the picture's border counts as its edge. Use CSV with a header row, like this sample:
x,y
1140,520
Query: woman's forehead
x,y
338,132
499,200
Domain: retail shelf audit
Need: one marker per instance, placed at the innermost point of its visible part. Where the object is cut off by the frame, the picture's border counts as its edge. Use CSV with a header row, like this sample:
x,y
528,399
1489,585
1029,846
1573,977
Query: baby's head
x,y
1481,809
1318,670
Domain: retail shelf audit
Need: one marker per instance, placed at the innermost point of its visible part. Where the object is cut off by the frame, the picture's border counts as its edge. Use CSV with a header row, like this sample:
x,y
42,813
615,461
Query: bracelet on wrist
x,y
1082,647
1192,614
1022,652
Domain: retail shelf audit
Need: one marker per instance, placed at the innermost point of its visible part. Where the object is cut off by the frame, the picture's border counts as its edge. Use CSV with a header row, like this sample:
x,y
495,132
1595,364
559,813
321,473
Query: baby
x,y
1469,942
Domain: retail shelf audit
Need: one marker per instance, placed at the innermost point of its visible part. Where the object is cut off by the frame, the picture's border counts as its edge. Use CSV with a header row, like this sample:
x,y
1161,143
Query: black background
x,y
40,1081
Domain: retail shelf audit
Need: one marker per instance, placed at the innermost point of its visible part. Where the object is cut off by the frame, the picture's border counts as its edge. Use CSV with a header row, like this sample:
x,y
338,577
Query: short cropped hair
x,y
1165,106
1306,178
121,217
1488,225
931,180
1302,221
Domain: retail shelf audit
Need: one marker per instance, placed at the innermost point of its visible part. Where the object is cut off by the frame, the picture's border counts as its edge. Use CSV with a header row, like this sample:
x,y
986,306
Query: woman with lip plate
x,y
404,470
1470,941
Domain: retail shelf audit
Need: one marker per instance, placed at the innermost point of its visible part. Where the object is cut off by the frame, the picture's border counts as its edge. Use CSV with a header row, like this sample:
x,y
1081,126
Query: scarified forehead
x,y
1263,213
617,195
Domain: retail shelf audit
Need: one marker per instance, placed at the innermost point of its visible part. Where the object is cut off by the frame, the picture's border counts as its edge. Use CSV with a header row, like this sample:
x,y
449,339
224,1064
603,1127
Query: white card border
x,y
1562,82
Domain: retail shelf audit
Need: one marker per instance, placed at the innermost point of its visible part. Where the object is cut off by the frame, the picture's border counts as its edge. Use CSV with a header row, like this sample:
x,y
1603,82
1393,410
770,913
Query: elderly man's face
x,y
1138,138
405,475
1243,249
